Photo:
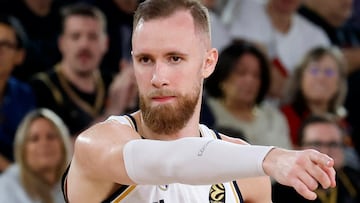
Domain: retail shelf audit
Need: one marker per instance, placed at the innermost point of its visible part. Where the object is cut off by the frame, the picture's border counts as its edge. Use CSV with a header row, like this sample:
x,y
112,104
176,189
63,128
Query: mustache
x,y
84,52
162,93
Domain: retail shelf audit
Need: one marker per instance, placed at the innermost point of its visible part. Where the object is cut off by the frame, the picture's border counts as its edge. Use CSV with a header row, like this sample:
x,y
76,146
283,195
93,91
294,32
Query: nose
x,y
159,77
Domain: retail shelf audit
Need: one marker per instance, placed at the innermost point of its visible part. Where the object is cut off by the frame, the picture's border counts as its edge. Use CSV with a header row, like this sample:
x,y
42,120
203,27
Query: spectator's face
x,y
209,3
171,61
83,44
39,7
337,9
326,138
43,148
243,83
10,55
321,80
285,6
128,6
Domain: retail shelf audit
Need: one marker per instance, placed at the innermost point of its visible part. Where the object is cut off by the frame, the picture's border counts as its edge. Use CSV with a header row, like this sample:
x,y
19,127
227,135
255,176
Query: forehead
x,y
7,32
322,131
77,22
174,32
325,59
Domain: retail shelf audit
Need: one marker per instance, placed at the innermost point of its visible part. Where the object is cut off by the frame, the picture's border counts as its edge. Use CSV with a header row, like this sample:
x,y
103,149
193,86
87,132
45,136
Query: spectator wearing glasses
x,y
318,87
325,135
16,98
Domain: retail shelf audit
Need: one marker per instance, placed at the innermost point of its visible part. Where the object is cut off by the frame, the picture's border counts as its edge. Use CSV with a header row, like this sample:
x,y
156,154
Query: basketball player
x,y
161,154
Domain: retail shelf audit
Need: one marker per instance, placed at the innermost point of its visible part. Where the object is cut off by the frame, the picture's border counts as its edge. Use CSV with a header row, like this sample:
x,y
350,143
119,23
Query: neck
x,y
49,176
241,110
318,107
280,21
85,82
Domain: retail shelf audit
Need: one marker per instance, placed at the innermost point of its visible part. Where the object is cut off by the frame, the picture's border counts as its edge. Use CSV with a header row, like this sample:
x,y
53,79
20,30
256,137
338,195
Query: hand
x,y
123,90
4,163
303,170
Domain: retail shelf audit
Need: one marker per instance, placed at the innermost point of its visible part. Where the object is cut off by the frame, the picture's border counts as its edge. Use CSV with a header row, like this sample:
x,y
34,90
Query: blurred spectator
x,y
285,35
354,20
220,36
75,89
332,17
16,98
41,21
42,152
324,135
318,86
119,14
236,91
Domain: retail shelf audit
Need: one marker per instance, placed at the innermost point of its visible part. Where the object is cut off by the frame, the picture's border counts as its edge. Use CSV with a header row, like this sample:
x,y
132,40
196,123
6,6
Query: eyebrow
x,y
172,53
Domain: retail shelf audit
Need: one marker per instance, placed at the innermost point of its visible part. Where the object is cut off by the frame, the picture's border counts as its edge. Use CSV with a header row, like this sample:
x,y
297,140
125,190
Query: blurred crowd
x,y
287,76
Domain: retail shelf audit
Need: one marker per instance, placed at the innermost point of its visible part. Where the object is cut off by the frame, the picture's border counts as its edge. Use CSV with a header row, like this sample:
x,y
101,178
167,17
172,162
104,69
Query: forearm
x,y
352,58
4,163
191,161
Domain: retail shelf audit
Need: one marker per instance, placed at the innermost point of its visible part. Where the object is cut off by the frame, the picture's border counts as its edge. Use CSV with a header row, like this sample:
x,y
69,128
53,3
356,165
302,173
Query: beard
x,y
169,118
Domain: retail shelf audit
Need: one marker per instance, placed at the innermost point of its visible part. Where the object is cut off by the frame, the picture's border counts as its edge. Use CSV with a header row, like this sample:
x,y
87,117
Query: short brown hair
x,y
85,10
153,9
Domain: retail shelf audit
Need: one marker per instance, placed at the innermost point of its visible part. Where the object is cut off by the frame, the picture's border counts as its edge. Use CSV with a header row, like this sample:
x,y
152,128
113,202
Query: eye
x,y
175,59
93,36
33,138
145,60
51,136
74,36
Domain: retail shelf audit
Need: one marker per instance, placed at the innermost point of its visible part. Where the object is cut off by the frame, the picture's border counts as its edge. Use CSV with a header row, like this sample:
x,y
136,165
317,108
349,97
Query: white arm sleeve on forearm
x,y
191,161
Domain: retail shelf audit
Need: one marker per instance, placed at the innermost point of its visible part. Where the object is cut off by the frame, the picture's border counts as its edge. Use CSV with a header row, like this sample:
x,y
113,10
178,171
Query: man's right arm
x,y
110,153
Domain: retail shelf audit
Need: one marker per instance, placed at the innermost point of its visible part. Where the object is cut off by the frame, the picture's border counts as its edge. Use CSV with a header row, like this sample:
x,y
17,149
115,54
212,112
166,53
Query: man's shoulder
x,y
309,28
18,87
44,80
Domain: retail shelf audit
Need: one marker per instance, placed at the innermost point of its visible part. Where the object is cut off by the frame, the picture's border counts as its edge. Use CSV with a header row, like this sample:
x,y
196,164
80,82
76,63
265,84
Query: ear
x,y
20,56
210,62
61,43
106,43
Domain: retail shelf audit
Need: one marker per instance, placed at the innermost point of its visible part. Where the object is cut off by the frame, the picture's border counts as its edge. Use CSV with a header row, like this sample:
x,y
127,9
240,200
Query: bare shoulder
x,y
233,140
257,189
97,167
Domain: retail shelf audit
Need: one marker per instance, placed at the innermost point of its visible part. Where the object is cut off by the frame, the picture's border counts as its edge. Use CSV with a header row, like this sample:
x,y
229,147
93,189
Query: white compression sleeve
x,y
191,161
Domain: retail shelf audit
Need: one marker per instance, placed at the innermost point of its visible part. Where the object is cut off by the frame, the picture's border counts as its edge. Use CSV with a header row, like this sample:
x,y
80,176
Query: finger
x,y
309,181
330,171
319,174
321,159
303,190
323,170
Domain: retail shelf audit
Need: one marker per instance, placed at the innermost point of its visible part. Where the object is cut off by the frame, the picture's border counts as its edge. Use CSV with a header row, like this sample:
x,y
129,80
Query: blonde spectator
x,y
42,152
318,87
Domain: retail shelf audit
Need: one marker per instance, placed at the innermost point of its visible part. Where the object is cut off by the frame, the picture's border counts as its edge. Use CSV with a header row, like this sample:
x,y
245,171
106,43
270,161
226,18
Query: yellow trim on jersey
x,y
237,198
124,194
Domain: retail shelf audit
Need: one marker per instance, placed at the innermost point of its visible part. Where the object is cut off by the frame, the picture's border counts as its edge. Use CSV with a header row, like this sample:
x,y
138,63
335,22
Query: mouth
x,y
84,55
162,99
